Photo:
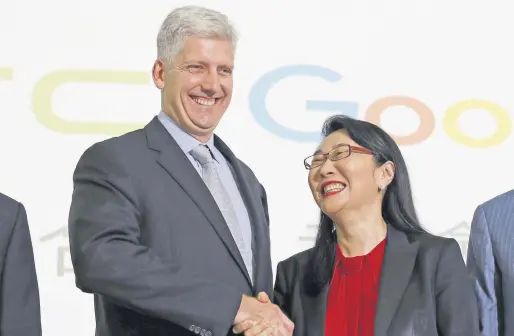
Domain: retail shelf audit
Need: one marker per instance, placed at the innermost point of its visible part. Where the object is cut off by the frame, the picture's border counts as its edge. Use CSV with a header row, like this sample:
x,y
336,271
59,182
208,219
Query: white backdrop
x,y
76,72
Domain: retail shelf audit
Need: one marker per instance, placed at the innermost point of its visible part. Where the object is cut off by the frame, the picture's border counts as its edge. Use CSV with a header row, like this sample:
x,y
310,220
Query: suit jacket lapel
x,y
260,245
315,311
399,258
175,162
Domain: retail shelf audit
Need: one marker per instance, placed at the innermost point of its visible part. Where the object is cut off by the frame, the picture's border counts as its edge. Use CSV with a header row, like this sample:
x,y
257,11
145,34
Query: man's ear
x,y
158,71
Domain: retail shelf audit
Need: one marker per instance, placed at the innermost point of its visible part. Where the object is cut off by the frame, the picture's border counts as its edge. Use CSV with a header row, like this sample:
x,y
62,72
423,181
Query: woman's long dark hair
x,y
397,207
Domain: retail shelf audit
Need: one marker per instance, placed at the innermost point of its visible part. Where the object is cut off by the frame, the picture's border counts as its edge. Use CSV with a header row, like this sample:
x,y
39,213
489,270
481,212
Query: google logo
x,y
374,112
45,87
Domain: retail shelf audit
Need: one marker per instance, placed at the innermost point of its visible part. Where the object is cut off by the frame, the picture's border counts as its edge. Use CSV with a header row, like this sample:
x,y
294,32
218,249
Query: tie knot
x,y
202,154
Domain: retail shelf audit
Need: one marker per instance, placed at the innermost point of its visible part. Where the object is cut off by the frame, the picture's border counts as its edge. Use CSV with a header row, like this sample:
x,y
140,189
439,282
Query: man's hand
x,y
263,297
261,317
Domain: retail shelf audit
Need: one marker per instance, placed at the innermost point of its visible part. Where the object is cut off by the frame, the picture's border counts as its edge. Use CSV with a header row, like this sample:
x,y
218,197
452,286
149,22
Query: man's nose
x,y
211,84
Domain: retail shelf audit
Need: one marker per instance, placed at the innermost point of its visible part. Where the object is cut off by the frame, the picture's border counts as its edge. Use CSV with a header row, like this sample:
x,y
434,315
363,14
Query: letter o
x,y
427,119
502,132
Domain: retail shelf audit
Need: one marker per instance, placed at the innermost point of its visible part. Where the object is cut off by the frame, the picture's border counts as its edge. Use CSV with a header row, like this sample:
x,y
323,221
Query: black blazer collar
x,y
399,257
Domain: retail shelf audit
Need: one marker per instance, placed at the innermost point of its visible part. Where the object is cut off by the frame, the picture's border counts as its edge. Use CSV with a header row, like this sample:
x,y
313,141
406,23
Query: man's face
x,y
197,88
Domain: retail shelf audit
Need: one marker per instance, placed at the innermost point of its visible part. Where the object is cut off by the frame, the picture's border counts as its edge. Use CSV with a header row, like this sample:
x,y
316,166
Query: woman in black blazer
x,y
373,269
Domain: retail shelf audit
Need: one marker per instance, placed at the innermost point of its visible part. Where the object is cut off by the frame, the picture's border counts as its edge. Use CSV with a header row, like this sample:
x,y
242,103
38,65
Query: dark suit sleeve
x,y
280,292
457,310
108,259
482,265
19,297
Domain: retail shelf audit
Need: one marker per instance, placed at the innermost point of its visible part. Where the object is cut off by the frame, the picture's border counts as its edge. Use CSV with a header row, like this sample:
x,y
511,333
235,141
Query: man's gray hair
x,y
192,21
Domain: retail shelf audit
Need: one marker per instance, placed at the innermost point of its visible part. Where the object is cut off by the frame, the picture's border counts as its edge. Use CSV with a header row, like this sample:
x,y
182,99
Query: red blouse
x,y
353,294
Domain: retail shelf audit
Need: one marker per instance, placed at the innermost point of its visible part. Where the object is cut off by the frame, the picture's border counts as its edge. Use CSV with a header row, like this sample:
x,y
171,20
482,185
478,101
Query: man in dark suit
x,y
167,227
491,262
19,294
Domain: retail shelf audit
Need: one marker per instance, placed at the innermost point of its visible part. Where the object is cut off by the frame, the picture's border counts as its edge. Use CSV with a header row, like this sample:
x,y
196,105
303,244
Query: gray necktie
x,y
211,178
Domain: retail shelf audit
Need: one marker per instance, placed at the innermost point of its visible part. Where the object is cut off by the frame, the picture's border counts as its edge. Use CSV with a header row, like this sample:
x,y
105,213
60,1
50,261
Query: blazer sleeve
x,y
482,266
281,289
108,259
19,296
457,310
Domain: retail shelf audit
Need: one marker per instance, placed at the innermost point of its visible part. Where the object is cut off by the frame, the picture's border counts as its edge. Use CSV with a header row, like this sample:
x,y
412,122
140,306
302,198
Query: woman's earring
x,y
333,228
381,188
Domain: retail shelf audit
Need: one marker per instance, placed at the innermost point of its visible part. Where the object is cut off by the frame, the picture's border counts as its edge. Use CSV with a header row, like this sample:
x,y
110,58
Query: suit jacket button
x,y
208,333
197,330
192,327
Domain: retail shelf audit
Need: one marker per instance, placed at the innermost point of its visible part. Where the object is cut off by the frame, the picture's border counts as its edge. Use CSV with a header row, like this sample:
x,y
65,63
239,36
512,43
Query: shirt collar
x,y
353,264
185,141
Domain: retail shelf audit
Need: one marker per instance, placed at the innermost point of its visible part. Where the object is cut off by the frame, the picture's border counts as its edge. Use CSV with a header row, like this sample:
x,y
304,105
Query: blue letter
x,y
262,87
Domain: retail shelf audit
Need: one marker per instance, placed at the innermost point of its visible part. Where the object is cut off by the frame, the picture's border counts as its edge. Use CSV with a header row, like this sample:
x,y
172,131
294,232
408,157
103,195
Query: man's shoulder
x,y
8,206
497,214
504,200
7,202
128,139
125,145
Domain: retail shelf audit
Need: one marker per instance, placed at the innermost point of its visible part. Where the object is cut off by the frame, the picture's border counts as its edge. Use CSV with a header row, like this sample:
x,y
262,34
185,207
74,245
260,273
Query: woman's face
x,y
348,183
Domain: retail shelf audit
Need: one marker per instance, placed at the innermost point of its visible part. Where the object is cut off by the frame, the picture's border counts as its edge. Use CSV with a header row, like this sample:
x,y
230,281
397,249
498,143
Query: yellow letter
x,y
503,128
45,88
6,73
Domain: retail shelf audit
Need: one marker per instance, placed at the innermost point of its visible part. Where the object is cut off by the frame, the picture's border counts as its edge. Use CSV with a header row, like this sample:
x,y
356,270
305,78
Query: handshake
x,y
259,317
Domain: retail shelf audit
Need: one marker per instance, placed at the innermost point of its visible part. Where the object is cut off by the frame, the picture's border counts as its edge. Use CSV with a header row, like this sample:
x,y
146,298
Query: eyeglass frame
x,y
351,149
